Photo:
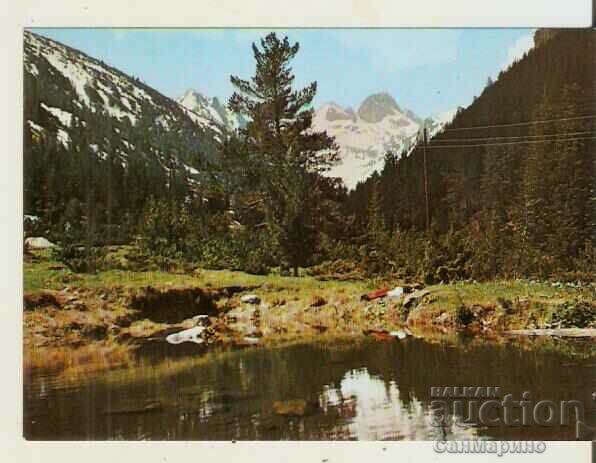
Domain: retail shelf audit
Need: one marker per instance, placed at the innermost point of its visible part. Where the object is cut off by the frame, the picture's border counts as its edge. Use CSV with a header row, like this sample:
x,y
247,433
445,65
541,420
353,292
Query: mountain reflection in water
x,y
359,389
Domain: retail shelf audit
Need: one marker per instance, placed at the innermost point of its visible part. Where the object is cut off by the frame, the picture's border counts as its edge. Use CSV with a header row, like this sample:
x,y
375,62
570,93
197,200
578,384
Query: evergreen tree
x,y
282,147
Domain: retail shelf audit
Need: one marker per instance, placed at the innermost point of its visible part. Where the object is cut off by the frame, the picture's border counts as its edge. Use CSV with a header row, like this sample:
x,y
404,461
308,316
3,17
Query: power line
x,y
553,140
545,135
520,124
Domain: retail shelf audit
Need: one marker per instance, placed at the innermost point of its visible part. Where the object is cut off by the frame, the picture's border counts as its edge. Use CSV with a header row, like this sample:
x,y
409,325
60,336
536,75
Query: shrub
x,y
574,314
464,315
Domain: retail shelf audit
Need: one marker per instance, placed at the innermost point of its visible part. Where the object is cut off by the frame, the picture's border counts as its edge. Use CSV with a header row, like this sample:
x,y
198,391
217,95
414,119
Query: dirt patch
x,y
172,305
43,298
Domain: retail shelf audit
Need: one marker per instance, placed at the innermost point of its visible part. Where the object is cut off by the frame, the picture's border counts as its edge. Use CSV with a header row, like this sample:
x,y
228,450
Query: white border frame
x,y
217,13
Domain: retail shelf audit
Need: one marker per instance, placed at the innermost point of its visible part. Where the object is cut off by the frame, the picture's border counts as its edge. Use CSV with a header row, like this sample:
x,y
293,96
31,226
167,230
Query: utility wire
x,y
519,124
552,140
545,135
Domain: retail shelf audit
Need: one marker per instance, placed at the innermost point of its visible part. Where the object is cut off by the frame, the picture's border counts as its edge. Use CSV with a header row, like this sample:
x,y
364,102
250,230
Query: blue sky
x,y
427,70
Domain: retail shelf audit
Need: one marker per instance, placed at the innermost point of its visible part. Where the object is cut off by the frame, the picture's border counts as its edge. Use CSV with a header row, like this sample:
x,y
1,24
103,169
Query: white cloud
x,y
519,48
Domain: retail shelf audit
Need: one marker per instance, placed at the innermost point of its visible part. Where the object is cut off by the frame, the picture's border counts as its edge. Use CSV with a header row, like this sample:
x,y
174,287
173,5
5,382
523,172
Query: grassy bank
x,y
66,308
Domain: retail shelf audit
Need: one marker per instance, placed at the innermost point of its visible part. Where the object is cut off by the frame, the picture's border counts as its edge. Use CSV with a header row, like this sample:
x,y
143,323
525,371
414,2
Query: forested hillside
x,y
508,185
99,143
510,181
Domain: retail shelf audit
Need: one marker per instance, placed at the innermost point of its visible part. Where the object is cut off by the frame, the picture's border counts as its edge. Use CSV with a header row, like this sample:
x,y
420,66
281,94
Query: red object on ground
x,y
375,294
383,337
380,335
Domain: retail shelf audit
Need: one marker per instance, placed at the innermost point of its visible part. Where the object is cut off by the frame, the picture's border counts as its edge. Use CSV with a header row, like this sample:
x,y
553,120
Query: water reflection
x,y
373,410
362,389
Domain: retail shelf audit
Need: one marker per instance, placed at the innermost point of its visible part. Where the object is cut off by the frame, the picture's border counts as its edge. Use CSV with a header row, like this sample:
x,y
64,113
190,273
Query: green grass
x,y
39,275
451,296
534,302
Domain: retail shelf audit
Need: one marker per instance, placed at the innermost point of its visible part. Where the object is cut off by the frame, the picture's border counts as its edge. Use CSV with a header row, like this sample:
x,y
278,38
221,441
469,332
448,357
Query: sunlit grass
x,y
292,309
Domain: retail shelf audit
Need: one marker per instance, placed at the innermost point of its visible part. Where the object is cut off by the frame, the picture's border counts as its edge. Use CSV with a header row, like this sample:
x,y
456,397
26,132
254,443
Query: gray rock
x,y
399,334
415,297
38,242
190,335
250,299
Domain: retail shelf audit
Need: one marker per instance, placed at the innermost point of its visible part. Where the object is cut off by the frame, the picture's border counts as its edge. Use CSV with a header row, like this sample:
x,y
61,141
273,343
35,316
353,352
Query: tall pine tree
x,y
286,155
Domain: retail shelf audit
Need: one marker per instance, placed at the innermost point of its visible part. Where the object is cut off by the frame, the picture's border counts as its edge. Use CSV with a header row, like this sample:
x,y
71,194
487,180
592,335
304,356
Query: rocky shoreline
x,y
246,315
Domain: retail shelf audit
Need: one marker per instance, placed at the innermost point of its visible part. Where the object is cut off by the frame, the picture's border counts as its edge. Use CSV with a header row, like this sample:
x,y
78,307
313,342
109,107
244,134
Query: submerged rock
x,y
143,407
296,407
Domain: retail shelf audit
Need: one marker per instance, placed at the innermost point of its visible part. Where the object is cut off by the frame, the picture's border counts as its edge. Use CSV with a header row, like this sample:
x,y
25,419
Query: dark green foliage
x,y
464,316
81,259
279,152
499,210
106,167
170,234
574,314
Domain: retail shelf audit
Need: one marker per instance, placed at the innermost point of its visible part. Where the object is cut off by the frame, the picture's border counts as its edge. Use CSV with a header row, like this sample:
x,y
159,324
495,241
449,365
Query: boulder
x,y
399,334
190,335
201,320
396,293
415,297
250,299
38,242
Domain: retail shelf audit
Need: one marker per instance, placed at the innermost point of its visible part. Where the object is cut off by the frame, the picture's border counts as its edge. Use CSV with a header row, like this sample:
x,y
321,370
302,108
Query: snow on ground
x,y
34,126
85,72
64,117
125,103
128,145
63,137
161,120
191,170
32,68
441,120
75,74
196,118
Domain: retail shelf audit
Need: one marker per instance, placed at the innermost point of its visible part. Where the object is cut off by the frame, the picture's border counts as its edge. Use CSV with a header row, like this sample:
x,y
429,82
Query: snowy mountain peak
x,y
334,112
192,98
93,109
365,136
212,109
378,106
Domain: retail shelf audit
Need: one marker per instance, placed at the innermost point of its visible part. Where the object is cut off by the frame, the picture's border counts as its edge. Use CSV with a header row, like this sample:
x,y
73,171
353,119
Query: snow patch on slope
x,y
64,117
